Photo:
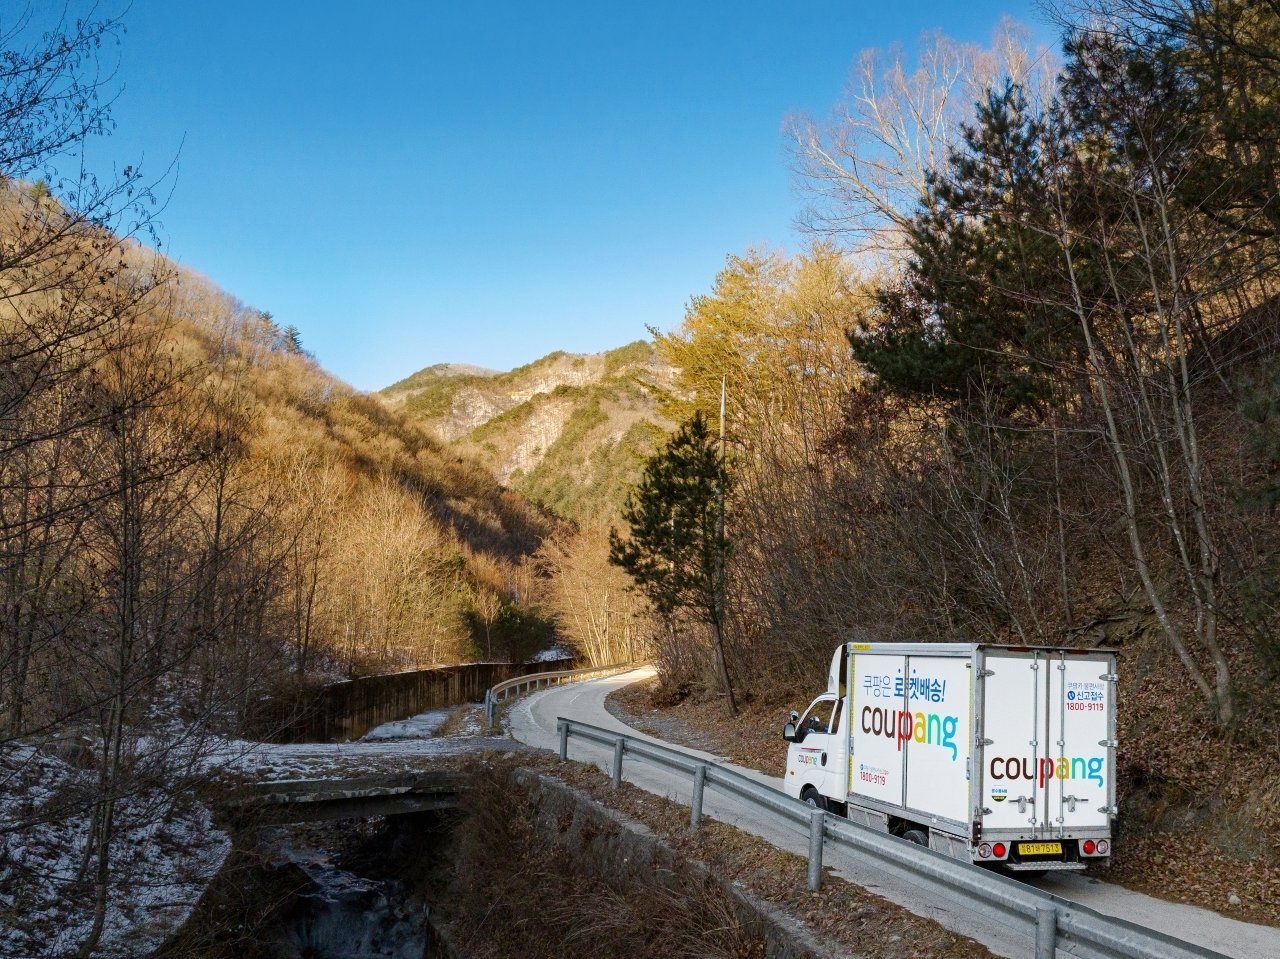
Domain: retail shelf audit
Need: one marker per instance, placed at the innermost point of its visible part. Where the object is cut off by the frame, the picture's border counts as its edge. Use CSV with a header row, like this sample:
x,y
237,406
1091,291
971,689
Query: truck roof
x,y
966,649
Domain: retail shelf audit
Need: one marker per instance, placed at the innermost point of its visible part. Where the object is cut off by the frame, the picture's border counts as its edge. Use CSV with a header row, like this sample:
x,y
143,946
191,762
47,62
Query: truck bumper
x,y
1044,866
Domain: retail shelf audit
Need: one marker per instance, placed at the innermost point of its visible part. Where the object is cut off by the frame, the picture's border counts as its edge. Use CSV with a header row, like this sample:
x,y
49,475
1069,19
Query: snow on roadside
x,y
422,726
164,855
166,851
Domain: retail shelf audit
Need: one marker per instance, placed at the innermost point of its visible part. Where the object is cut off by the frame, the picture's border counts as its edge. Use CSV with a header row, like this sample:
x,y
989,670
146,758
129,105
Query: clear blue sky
x,y
414,183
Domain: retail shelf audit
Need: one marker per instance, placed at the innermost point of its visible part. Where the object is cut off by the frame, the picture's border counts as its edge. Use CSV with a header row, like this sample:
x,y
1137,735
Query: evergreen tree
x,y
677,548
970,320
293,341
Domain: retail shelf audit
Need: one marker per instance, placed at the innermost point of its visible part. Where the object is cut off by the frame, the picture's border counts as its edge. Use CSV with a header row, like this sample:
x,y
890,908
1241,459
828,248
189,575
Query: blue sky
x,y
414,183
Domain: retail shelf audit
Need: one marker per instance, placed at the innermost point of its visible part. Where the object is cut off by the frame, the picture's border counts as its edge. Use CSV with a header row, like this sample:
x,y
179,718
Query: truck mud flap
x,y
867,817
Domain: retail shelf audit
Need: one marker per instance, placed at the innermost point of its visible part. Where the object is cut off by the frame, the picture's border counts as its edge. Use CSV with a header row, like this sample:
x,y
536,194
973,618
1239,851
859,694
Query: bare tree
x,y
1160,266
867,168
595,608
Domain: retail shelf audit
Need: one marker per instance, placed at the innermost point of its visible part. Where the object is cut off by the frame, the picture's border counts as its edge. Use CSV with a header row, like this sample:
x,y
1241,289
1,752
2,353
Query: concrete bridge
x,y
359,798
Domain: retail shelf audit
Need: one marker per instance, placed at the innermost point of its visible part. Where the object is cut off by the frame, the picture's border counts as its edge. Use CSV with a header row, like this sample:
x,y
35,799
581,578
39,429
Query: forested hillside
x,y
1023,389
193,515
569,431
289,510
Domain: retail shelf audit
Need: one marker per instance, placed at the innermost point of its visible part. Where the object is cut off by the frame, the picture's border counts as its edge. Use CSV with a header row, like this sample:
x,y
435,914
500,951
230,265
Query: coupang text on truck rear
x,y
996,755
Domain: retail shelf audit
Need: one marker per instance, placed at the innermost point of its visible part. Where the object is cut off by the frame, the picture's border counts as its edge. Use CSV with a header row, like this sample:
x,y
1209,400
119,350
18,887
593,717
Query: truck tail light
x,y
1104,847
985,850
1090,847
1000,849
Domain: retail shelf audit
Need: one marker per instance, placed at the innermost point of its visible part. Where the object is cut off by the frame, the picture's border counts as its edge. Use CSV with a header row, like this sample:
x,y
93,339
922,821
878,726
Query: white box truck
x,y
997,755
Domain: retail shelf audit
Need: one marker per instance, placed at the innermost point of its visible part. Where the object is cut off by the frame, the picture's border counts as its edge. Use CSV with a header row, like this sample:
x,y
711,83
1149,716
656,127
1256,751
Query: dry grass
x,y
1200,809
753,738
518,891
465,720
846,918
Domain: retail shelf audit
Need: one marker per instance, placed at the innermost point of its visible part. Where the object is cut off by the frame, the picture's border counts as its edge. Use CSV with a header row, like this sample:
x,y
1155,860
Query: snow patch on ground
x,y
164,854
166,849
422,726
402,746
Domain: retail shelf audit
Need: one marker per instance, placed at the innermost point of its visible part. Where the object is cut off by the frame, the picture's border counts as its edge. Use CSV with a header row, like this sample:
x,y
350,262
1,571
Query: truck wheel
x,y
916,836
813,798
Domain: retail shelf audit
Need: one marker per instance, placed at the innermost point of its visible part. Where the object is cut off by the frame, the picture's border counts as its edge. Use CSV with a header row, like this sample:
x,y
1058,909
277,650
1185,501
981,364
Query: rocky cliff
x,y
569,430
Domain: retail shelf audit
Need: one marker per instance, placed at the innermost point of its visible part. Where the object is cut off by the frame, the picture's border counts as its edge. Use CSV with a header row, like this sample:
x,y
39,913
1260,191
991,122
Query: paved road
x,y
533,721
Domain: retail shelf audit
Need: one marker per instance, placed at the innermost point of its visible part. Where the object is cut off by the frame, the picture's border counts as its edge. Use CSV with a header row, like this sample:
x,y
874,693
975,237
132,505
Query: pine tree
x,y
971,319
677,548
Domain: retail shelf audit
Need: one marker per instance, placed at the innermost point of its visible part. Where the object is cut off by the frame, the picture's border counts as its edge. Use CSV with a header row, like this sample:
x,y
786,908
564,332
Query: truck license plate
x,y
1040,848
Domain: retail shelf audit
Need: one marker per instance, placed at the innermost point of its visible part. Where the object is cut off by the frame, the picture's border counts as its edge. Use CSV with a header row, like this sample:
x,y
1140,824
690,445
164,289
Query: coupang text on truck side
x,y
996,755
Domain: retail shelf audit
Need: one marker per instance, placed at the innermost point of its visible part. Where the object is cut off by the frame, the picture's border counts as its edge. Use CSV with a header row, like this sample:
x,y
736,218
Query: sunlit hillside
x,y
569,431
369,545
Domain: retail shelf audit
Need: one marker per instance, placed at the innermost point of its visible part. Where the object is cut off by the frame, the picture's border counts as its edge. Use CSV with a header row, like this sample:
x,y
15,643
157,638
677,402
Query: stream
x,y
360,888
351,889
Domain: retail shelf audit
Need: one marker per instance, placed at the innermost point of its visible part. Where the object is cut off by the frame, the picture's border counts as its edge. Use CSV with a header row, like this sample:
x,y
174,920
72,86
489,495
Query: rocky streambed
x,y
354,889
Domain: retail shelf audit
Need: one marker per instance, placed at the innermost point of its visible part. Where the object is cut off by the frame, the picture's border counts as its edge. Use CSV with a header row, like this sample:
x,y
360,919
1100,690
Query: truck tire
x,y
813,798
917,836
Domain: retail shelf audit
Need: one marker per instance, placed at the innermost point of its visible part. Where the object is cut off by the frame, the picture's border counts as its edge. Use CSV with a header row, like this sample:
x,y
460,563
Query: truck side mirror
x,y
789,732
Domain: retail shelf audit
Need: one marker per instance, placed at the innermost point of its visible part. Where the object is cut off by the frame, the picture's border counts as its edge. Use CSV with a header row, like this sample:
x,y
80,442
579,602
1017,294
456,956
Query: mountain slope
x,y
569,431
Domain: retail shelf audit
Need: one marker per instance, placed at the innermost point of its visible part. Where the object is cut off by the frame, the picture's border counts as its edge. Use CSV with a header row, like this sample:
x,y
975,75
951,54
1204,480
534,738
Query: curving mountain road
x,y
533,721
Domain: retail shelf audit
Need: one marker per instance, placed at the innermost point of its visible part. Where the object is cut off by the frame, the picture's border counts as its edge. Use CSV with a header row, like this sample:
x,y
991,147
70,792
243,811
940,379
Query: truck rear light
x,y
985,850
1000,849
1090,847
1104,847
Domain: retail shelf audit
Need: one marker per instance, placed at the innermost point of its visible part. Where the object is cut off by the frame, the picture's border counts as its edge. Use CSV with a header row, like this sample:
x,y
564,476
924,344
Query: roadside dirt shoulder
x,y
752,738
1192,864
846,918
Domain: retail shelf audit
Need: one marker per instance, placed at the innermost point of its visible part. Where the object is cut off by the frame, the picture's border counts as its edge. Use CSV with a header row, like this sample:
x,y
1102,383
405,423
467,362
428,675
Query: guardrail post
x,y
816,822
695,807
488,708
618,745
564,741
1046,932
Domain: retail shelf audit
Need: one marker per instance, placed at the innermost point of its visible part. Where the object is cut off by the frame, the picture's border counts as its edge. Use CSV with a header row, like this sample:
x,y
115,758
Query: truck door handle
x,y
1071,802
1022,803
824,759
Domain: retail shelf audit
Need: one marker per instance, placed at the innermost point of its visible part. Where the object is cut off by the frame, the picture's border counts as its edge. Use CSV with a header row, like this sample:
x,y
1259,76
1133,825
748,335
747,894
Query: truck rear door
x,y
1016,733
1081,702
1047,761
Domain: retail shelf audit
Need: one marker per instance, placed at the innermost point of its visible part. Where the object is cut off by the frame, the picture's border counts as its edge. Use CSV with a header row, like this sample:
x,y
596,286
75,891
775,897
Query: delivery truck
x,y
998,755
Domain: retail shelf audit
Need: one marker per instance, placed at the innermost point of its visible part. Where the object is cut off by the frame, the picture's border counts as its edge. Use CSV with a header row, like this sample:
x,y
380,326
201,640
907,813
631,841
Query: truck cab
x,y
817,757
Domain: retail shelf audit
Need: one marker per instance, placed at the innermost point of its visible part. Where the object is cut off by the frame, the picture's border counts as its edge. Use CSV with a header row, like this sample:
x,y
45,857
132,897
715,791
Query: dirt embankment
x,y
540,875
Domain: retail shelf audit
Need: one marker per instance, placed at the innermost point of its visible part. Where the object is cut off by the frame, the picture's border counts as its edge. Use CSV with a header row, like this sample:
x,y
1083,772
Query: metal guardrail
x,y
495,694
1052,922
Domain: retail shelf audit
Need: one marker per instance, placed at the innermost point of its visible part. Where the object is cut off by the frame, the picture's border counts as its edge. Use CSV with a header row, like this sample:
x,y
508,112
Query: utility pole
x,y
720,599
720,606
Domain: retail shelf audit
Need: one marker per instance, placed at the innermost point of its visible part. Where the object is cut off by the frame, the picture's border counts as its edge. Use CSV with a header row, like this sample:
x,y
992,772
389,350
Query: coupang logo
x,y
924,728
1074,767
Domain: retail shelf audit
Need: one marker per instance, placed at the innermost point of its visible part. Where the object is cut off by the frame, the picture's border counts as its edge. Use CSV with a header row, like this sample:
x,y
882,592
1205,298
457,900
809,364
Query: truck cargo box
x,y
994,754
